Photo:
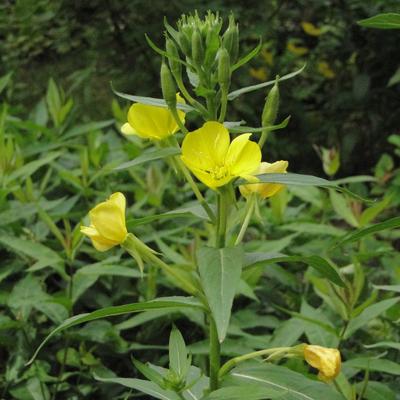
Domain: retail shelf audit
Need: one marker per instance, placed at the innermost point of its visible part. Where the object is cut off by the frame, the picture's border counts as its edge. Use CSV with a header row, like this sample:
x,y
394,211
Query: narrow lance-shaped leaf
x,y
151,101
302,180
178,356
151,155
141,385
316,262
157,304
233,95
220,271
360,233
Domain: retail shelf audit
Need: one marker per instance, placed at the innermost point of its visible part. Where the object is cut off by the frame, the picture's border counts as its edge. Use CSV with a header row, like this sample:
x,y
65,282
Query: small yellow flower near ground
x,y
326,360
325,70
311,29
265,190
152,122
259,73
214,160
296,49
107,223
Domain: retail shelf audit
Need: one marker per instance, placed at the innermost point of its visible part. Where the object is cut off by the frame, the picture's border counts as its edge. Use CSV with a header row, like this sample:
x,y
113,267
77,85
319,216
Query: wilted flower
x,y
326,360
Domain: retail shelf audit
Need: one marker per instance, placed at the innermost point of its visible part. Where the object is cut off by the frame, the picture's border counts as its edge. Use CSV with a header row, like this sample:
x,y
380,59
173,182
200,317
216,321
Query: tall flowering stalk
x,y
216,157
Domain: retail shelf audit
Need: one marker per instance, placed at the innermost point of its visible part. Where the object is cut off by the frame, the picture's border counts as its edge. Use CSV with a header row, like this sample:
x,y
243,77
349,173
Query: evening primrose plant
x,y
222,163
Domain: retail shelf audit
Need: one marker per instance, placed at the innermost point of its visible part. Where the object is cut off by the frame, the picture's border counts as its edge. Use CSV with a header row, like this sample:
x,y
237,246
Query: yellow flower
x,y
326,360
152,122
310,29
259,73
208,153
297,49
107,223
265,190
325,70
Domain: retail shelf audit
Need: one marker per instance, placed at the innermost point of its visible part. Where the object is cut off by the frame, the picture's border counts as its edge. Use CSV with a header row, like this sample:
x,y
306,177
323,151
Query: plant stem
x,y
263,138
222,205
215,356
235,361
249,212
189,98
224,103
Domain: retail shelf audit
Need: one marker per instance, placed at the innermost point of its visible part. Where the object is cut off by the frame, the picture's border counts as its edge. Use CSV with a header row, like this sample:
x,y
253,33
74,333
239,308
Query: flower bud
x,y
230,40
184,43
197,48
176,67
168,86
224,69
330,160
326,360
271,106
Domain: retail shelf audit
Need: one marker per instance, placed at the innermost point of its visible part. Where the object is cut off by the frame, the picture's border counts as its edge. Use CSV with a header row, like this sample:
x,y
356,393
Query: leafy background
x,y
60,141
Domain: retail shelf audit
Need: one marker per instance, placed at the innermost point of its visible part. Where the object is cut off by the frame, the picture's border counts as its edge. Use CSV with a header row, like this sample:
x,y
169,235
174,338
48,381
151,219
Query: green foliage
x,y
306,274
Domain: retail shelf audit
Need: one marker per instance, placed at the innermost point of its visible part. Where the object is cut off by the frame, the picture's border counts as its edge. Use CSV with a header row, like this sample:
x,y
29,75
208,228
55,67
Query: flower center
x,y
219,172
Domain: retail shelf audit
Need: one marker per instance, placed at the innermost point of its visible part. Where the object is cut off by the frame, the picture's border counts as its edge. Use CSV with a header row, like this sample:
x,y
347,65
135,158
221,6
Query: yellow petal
x,y
152,122
108,218
206,148
266,189
100,243
243,156
126,129
119,199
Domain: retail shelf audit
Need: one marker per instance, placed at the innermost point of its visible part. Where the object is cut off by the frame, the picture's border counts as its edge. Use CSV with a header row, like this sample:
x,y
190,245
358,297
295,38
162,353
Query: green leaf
x,y
152,101
148,372
233,95
376,391
382,21
374,364
301,180
44,255
342,208
151,155
316,262
105,268
156,304
372,212
220,271
30,168
360,233
246,391
53,99
86,128
290,384
316,327
247,57
368,314
4,81
390,288
246,129
143,386
178,355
